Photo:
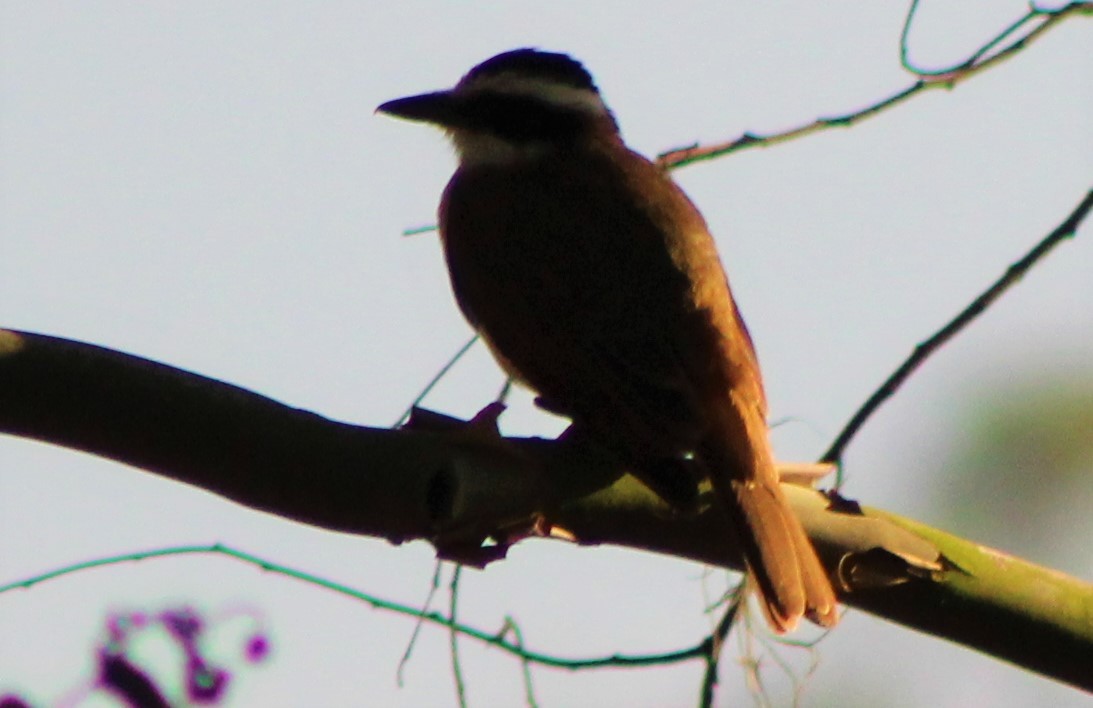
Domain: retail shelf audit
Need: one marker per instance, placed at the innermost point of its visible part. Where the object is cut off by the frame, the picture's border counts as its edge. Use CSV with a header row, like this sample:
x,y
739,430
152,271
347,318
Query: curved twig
x,y
967,315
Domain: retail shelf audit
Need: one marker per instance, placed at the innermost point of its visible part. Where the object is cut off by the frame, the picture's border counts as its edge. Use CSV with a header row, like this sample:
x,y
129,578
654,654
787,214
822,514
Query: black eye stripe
x,y
524,118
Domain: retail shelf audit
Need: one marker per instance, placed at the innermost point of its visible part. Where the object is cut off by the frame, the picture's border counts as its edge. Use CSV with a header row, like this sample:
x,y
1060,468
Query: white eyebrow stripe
x,y
514,84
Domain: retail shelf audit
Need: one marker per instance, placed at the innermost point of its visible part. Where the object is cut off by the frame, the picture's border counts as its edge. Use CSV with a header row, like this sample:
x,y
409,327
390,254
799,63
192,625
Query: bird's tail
x,y
792,583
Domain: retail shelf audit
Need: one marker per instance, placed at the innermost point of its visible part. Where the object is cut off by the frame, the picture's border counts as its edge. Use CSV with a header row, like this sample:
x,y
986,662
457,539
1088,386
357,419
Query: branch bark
x,y
457,487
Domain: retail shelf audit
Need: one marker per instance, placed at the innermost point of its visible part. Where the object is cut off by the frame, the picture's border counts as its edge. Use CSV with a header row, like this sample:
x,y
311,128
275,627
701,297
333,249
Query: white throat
x,y
475,149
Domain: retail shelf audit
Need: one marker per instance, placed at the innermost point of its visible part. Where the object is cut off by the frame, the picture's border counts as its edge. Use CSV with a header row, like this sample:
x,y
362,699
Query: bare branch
x,y
714,643
948,79
923,351
437,377
408,484
453,637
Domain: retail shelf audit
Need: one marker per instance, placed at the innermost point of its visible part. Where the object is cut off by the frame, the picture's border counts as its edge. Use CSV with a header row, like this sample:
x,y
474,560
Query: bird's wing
x,y
587,295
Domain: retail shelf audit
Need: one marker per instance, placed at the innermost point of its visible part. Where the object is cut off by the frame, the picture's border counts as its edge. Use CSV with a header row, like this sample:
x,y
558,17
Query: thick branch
x,y
462,485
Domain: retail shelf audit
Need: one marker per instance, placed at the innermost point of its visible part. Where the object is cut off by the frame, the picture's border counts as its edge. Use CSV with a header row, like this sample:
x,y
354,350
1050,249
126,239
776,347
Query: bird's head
x,y
515,105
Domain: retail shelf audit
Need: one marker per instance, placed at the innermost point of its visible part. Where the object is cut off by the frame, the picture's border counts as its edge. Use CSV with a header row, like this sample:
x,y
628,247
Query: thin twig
x,y
435,380
715,642
417,625
768,643
751,661
506,389
696,153
453,637
615,660
529,687
925,349
905,51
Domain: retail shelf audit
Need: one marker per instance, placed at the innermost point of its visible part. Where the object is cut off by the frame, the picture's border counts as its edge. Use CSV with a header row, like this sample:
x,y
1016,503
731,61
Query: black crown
x,y
533,63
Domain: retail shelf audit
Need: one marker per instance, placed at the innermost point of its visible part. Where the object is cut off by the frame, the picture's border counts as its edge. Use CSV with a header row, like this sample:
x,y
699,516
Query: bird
x,y
595,282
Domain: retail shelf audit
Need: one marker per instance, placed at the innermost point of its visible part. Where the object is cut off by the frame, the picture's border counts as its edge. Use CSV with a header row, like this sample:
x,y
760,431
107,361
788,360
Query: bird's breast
x,y
594,280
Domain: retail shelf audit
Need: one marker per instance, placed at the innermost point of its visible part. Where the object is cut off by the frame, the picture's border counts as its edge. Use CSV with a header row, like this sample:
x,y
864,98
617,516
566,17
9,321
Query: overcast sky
x,y
205,184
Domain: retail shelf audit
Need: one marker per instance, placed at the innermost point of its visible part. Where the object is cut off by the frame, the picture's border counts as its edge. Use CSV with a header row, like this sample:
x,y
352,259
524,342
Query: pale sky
x,y
205,184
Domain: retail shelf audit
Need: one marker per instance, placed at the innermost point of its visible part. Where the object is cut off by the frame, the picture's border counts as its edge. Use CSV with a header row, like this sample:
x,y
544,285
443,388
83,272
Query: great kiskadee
x,y
594,280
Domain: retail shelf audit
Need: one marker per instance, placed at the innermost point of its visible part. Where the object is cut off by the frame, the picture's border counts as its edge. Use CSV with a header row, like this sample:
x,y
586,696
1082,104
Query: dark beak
x,y
439,107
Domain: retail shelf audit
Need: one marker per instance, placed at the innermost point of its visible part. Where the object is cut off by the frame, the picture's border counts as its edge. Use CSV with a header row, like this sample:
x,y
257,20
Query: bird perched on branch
x,y
594,280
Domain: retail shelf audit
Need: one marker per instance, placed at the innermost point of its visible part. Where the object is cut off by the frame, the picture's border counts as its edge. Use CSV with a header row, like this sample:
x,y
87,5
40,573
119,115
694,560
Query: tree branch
x,y
978,306
463,486
947,78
